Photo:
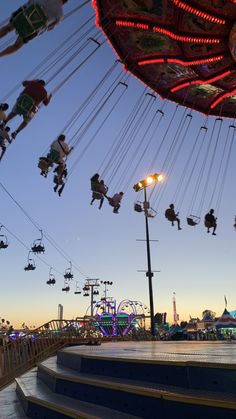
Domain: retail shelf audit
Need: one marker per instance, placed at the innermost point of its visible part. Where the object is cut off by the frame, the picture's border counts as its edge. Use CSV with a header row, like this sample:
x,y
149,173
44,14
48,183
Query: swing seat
x,y
51,282
24,105
170,215
138,207
29,20
3,245
95,186
150,213
30,267
66,289
97,195
77,292
44,164
208,224
38,248
193,220
111,202
68,275
54,156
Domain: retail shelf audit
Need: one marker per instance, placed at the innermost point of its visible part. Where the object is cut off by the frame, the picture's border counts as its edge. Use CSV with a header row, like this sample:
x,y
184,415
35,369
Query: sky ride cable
x,y
39,228
29,249
99,128
210,169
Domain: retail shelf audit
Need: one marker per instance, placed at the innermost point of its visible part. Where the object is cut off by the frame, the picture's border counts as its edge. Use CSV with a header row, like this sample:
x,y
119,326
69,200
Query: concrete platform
x,y
149,380
215,354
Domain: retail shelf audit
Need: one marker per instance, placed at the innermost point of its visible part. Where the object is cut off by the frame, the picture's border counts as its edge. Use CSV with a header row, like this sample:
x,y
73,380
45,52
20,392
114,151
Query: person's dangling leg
x,y
12,48
101,202
20,128
6,29
3,152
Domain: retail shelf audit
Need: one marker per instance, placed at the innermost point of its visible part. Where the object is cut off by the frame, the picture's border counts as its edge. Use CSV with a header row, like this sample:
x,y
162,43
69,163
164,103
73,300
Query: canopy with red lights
x,y
183,50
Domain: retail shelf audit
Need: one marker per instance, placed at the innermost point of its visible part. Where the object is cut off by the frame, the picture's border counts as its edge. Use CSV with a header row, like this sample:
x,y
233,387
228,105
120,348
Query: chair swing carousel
x,y
185,54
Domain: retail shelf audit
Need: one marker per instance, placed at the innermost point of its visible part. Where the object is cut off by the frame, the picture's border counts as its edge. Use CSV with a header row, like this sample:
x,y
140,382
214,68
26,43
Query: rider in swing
x,y
27,103
30,19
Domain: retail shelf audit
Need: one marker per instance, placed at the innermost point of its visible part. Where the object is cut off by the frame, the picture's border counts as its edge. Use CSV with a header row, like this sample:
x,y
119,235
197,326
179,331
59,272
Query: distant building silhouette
x,y
160,318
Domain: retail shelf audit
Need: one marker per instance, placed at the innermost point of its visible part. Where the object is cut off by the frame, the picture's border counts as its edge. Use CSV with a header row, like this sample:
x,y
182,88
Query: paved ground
x,y
10,407
185,351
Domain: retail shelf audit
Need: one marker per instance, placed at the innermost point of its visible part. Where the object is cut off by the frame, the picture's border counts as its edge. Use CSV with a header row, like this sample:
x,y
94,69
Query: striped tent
x,y
226,321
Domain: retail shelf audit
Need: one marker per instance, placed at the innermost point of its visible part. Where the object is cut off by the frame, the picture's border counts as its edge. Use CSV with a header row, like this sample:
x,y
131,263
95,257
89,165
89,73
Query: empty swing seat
x,y
138,207
193,220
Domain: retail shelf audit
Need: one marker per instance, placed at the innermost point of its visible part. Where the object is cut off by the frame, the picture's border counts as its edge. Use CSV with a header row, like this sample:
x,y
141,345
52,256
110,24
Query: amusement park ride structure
x,y
113,320
183,50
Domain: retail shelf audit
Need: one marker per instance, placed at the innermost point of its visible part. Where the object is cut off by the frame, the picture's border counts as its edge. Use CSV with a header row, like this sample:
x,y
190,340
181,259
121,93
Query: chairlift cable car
x,y
38,246
77,289
3,240
66,287
68,275
30,263
51,279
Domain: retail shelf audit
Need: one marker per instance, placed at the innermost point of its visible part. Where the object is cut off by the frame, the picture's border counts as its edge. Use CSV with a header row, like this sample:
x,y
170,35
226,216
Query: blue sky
x,y
199,268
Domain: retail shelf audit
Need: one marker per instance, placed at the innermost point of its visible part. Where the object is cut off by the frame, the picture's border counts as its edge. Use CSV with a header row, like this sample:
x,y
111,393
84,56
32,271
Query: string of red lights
x,y
199,13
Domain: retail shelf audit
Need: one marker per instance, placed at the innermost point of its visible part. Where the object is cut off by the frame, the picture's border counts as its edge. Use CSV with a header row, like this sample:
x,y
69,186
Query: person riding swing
x,y
31,19
172,216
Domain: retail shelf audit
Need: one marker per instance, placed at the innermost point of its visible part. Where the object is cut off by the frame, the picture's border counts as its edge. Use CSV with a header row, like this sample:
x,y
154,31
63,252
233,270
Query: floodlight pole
x,y
149,272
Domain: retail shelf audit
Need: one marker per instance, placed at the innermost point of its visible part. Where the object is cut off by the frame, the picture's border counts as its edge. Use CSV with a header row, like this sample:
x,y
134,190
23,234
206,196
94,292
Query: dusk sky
x,y
197,266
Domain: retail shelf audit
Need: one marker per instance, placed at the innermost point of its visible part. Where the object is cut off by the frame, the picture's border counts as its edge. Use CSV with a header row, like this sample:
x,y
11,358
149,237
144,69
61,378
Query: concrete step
x,y
137,397
10,406
195,371
40,402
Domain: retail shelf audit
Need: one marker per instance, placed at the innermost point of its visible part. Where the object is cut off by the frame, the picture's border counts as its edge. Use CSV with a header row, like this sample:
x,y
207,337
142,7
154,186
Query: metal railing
x,y
33,346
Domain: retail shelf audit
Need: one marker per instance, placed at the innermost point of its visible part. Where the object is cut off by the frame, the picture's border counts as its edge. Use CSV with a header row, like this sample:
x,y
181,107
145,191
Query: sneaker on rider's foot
x,y
14,134
213,234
